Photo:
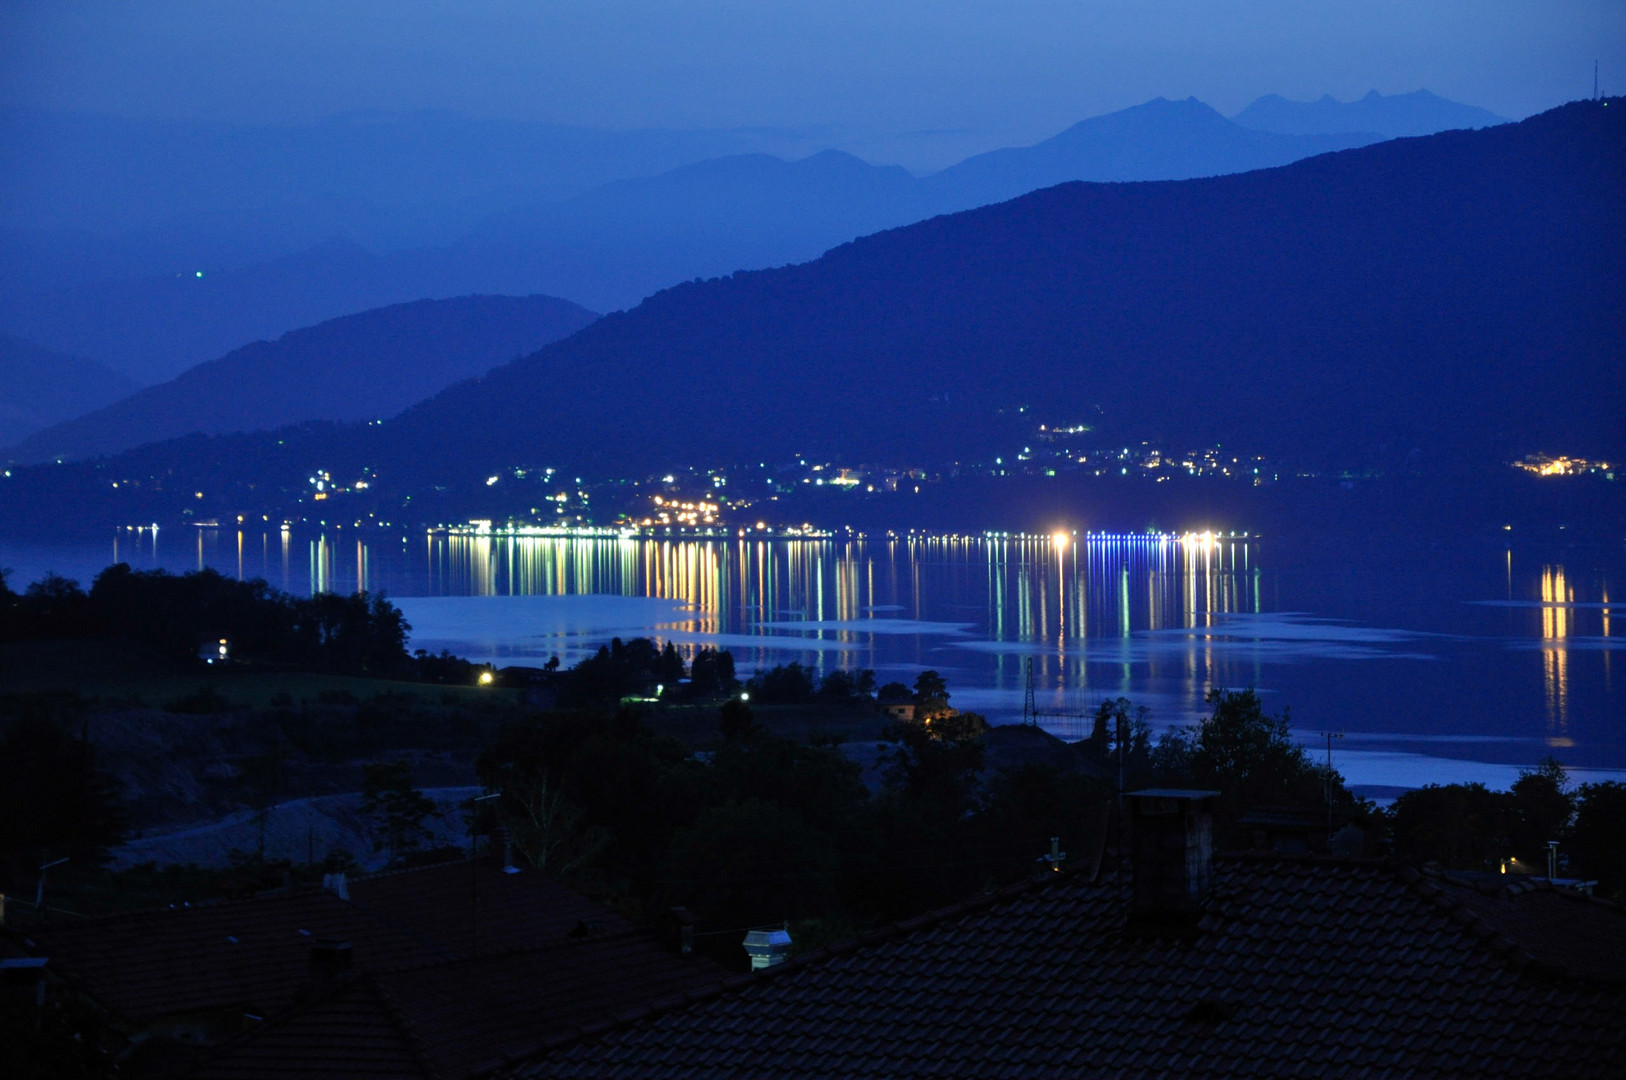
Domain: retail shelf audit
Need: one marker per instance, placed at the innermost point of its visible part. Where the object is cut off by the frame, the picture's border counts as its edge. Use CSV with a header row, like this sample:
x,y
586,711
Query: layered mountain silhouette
x,y
359,367
1160,140
1432,302
606,248
1429,306
39,387
1391,116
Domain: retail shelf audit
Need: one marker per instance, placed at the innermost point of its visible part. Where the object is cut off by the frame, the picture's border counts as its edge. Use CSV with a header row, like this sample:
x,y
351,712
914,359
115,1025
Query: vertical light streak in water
x,y
1608,672
361,567
239,554
1061,602
1555,628
200,547
286,544
318,568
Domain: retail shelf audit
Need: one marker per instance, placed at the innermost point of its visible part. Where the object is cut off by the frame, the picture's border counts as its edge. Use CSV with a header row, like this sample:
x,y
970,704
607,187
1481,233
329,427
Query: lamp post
x,y
474,868
1330,736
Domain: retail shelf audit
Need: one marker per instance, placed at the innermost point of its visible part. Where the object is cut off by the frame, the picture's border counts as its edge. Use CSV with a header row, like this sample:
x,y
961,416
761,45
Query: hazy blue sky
x,y
1010,68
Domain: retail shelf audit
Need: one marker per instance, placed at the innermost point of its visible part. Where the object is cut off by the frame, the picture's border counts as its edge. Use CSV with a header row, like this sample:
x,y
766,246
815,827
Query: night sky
x,y
862,73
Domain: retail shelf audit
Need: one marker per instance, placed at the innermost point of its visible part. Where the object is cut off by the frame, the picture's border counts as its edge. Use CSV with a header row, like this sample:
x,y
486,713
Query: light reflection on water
x,y
1513,650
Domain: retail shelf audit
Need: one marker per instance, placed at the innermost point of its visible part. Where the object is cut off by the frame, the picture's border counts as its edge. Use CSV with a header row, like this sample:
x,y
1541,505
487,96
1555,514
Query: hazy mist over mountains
x,y
1429,307
39,387
359,367
152,246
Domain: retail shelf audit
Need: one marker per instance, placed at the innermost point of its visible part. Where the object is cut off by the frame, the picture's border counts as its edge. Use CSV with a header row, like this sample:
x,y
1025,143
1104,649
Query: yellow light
x,y
486,678
1060,540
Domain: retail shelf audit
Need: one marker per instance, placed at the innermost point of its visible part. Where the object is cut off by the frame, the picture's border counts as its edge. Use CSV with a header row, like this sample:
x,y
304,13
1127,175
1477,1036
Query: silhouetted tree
x,y
1459,826
53,797
1598,838
398,808
931,695
1541,810
712,673
736,721
784,684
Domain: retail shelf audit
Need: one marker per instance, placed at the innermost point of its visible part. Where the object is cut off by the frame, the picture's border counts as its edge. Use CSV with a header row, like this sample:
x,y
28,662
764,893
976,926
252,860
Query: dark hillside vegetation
x,y
1439,299
1426,309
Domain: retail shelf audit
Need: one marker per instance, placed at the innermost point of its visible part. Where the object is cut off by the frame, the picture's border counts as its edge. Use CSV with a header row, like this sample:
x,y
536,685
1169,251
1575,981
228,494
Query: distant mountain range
x,y
1422,302
1393,116
39,388
606,246
1428,307
359,367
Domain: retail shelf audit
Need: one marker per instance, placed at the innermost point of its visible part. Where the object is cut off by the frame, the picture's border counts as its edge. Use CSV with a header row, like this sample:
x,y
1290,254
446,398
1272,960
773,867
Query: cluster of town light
x,y
1542,465
674,512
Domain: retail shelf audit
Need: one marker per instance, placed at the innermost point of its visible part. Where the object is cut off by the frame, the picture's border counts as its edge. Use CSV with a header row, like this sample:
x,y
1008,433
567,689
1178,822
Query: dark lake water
x,y
1437,662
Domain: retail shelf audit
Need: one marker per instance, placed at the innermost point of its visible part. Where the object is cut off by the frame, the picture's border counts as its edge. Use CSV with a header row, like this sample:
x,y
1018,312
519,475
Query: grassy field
x,y
117,671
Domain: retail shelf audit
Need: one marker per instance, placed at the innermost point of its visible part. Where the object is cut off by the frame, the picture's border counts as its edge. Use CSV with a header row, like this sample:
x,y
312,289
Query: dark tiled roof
x,y
1310,967
451,1019
515,910
252,955
1556,929
353,1033
572,963
481,1013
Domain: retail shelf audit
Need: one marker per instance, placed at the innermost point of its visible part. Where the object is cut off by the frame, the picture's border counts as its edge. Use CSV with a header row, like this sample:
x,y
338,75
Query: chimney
x,y
1171,853
682,921
336,884
767,947
330,964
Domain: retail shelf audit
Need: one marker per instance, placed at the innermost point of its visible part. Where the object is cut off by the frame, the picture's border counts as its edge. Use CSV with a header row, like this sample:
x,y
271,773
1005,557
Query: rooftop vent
x,y
767,947
1171,852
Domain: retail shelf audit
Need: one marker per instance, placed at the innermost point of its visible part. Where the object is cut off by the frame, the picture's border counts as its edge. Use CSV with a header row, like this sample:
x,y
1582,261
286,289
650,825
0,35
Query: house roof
x,y
449,1020
252,955
416,1005
1298,966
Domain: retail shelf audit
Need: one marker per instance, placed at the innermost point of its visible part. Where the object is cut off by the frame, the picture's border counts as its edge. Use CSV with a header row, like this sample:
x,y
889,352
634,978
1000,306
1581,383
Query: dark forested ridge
x,y
1431,307
360,367
1448,295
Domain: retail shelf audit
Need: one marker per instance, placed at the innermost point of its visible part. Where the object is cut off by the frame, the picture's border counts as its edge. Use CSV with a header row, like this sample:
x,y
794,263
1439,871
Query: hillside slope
x,y
1451,295
39,387
360,367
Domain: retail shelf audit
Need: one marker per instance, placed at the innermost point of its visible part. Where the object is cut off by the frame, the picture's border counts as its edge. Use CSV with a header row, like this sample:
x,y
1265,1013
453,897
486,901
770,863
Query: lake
x,y
1435,662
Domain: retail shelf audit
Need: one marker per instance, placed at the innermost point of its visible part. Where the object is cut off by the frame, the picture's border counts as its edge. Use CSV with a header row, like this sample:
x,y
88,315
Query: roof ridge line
x,y
629,931
687,998
1520,958
212,904
293,1012
1516,956
409,1032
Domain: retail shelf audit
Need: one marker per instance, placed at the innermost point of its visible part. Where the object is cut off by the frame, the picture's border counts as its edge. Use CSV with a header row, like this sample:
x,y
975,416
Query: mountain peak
x,y
1420,112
